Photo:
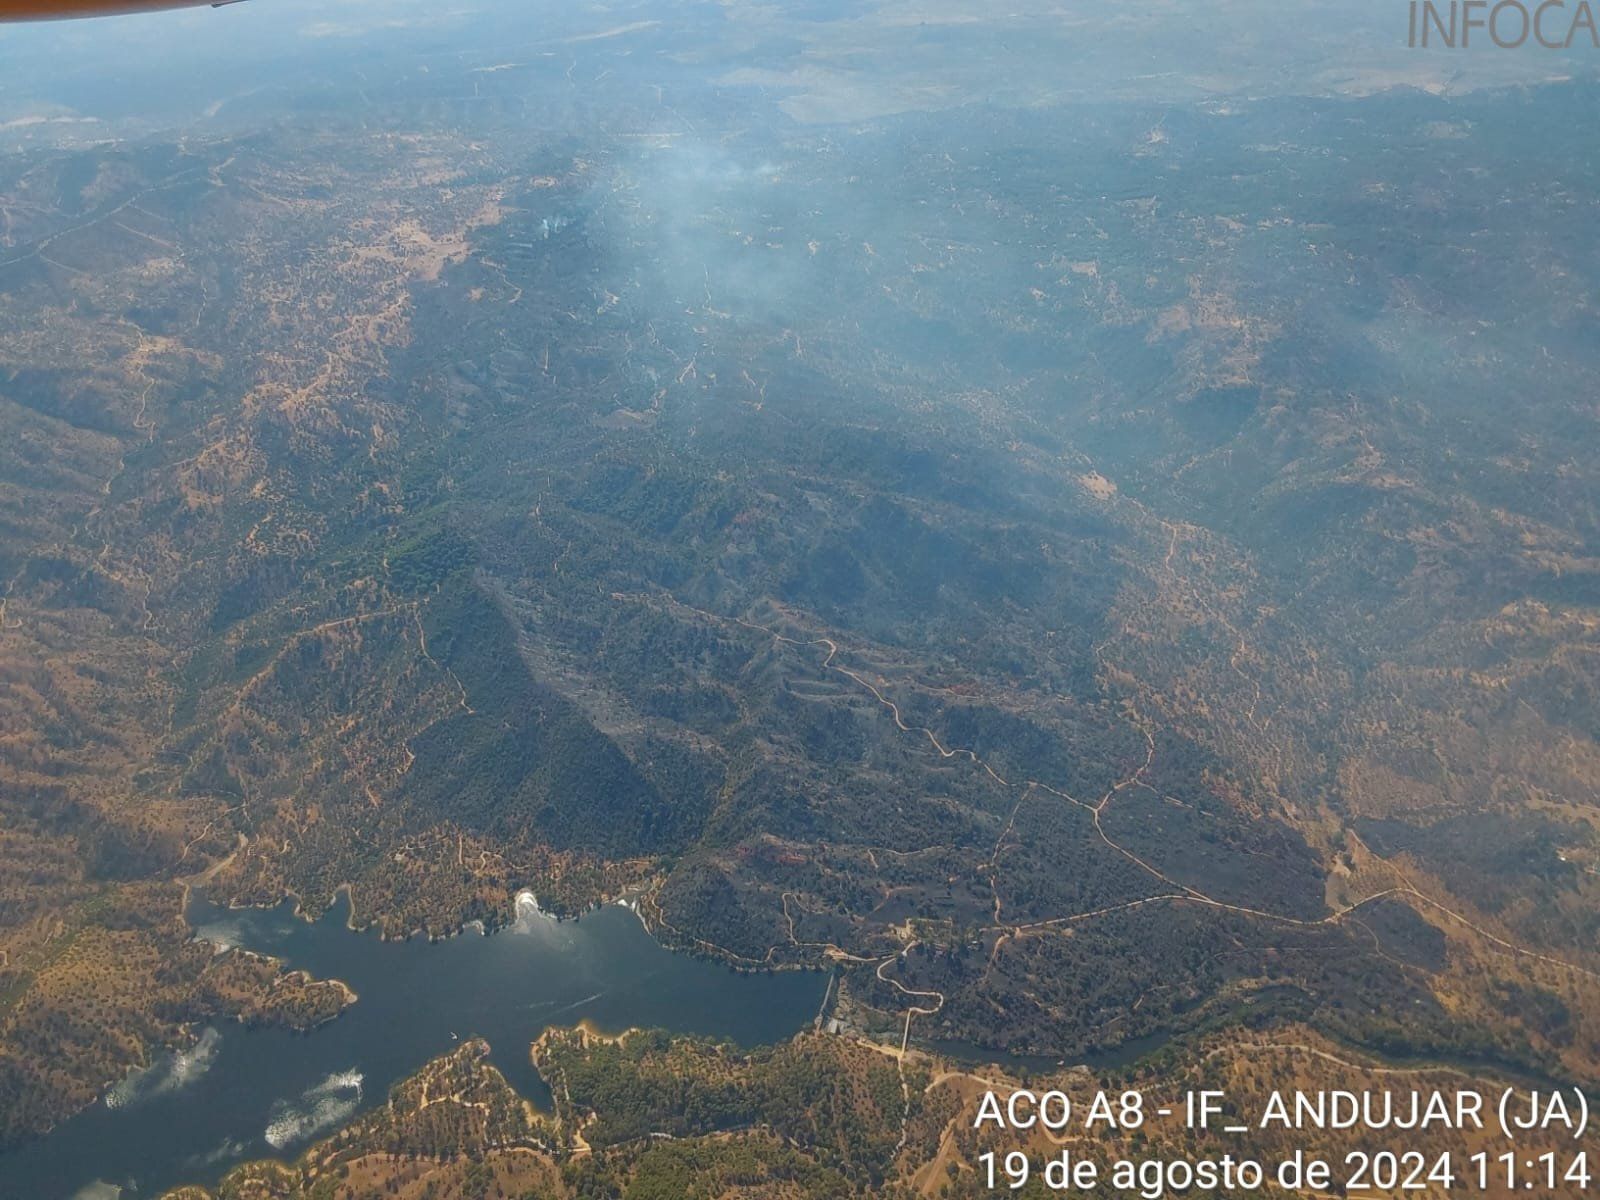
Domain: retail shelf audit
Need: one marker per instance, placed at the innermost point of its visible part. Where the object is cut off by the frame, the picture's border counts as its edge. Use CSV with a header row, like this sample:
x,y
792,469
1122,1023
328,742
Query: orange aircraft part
x,y
53,10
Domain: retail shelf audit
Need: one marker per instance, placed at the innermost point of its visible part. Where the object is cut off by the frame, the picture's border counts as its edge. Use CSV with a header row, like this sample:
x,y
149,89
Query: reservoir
x,y
241,1094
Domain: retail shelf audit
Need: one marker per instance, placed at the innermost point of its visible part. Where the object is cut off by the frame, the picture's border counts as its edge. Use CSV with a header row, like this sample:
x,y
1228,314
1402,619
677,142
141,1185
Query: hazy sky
x,y
832,61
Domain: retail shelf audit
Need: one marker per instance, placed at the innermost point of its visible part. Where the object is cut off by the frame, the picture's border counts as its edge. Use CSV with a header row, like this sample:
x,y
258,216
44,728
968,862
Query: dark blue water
x,y
242,1094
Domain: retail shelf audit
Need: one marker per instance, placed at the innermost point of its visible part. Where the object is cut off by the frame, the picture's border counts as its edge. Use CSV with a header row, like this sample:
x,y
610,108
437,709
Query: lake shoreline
x,y
264,1092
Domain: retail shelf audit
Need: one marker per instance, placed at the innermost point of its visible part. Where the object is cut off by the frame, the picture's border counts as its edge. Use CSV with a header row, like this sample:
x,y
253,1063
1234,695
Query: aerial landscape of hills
x,y
1108,574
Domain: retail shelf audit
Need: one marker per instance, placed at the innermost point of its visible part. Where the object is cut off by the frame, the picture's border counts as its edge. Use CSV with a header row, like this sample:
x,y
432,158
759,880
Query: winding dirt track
x,y
1183,894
